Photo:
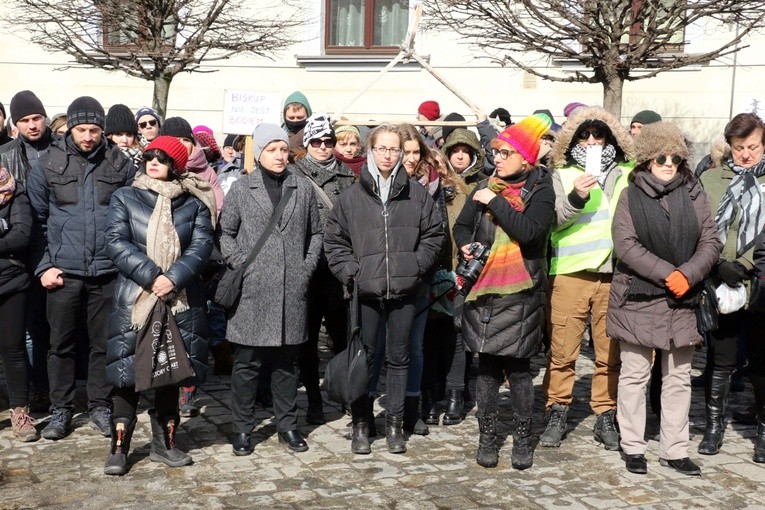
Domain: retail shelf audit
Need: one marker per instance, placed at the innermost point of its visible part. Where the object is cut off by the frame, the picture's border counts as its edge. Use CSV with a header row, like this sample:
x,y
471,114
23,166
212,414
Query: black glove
x,y
731,272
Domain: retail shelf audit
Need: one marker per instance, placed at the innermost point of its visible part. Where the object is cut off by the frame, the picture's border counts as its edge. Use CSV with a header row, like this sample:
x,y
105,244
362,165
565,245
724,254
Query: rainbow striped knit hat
x,y
526,134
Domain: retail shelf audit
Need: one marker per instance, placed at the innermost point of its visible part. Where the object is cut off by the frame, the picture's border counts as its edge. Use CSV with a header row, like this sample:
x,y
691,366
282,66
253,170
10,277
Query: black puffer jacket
x,y
387,248
129,215
17,214
70,193
18,156
514,324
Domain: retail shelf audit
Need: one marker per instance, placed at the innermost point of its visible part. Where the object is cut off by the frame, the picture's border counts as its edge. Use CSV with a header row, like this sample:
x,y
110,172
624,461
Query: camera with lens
x,y
468,271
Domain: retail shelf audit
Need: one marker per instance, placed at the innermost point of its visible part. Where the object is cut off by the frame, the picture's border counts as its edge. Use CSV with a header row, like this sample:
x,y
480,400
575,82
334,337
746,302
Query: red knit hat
x,y
173,148
525,135
430,110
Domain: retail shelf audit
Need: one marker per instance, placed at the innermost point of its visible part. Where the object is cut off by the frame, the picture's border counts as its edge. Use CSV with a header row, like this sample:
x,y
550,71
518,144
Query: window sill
x,y
364,62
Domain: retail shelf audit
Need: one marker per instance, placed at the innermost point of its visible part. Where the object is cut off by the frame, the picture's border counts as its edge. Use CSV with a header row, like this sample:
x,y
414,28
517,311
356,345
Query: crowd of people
x,y
444,245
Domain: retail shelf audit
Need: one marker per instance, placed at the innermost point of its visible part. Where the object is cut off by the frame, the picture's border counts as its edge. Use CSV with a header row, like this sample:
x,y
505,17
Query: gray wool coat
x,y
272,309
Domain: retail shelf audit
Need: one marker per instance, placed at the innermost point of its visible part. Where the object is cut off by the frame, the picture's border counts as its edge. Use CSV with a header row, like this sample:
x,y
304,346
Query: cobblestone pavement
x,y
438,471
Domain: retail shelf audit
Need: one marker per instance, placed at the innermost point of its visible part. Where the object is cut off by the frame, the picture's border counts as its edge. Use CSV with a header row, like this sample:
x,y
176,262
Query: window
x,y
131,28
661,15
365,26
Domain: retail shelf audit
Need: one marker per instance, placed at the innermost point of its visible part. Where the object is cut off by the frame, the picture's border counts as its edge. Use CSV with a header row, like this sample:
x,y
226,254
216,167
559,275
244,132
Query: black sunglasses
x,y
661,159
151,123
316,143
159,154
599,134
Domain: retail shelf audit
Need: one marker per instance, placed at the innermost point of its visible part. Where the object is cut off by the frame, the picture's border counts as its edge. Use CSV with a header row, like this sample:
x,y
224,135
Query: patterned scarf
x,y
579,153
163,246
744,191
7,186
504,272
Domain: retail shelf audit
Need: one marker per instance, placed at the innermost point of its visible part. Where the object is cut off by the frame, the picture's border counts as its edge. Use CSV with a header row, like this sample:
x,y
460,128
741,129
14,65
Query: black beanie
x,y
178,127
85,110
454,116
120,120
503,115
26,103
229,141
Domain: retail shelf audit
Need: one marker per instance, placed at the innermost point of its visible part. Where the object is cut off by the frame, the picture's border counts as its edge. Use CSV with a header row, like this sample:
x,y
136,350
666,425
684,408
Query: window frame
x,y
369,24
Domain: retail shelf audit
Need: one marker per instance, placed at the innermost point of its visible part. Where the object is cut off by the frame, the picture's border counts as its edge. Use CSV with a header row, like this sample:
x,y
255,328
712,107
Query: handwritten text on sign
x,y
245,109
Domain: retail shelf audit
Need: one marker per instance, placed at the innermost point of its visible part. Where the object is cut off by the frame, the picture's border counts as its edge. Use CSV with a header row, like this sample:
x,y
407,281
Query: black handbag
x,y
160,354
226,288
707,312
346,376
757,295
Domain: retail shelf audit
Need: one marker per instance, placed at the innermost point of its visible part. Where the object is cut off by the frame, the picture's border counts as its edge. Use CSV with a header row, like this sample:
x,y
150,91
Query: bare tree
x,y
615,40
157,39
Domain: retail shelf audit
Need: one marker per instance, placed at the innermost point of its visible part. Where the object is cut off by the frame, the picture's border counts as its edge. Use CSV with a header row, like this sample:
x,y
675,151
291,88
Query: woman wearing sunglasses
x,y
383,235
160,236
666,243
329,177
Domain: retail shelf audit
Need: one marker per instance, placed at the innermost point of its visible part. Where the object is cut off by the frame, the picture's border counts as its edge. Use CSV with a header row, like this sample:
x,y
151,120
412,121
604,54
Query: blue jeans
x,y
416,336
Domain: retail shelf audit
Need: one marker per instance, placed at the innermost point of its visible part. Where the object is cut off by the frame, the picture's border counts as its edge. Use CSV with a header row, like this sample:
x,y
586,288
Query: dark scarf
x,y
671,234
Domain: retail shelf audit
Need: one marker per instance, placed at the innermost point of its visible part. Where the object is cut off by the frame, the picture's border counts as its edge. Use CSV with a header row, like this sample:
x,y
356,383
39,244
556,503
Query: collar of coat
x,y
400,183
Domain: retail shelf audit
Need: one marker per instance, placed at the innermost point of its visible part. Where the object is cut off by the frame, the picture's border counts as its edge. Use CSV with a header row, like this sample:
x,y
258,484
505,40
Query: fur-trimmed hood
x,y
566,134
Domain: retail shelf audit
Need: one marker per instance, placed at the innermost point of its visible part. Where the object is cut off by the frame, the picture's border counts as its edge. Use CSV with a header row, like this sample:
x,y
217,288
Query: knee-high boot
x,y
716,401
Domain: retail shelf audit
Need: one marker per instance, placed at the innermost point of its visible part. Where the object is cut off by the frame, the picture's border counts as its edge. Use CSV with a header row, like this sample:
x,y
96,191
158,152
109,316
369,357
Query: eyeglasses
x,y
662,159
597,133
151,123
317,142
503,153
157,154
381,150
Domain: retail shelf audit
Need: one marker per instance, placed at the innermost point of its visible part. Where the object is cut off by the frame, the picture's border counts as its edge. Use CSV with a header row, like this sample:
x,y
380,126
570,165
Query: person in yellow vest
x,y
593,158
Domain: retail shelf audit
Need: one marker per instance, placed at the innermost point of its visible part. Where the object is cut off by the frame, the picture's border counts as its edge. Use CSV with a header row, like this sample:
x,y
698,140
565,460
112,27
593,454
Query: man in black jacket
x,y
70,188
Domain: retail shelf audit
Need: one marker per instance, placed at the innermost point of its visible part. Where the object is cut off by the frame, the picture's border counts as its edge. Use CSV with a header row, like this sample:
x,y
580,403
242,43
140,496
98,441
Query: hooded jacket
x,y
474,173
384,246
17,213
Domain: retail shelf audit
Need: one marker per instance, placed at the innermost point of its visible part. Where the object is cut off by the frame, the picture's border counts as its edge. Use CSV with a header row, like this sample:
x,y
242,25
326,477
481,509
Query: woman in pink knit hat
x,y
510,215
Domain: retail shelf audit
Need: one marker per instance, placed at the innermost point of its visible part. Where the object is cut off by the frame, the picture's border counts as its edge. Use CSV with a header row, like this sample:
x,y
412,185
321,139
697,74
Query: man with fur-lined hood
x,y
593,158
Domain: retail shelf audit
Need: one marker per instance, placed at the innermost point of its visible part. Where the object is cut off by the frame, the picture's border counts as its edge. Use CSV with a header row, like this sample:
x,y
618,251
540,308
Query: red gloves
x,y
677,283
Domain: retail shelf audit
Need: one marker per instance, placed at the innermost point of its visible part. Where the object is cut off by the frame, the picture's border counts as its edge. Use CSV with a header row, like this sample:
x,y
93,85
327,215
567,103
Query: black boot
x,y
522,456
488,451
430,410
116,462
716,400
361,416
412,421
394,434
163,441
455,407
360,439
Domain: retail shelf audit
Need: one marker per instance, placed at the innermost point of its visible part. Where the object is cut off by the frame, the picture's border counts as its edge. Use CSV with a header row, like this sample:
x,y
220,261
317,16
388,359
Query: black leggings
x,y
518,372
126,402
13,350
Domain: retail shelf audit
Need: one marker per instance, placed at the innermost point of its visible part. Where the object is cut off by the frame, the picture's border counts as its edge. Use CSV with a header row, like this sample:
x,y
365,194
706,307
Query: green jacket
x,y
473,174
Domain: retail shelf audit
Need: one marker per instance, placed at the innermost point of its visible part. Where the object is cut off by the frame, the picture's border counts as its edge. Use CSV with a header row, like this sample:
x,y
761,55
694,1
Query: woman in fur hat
x,y
666,242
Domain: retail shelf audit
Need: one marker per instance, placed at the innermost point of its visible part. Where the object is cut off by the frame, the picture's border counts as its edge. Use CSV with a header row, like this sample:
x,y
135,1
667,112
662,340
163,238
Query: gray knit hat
x,y
265,133
85,110
660,138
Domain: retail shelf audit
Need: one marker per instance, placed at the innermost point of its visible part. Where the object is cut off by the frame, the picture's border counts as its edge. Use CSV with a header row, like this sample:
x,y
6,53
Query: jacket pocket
x,y
106,185
64,189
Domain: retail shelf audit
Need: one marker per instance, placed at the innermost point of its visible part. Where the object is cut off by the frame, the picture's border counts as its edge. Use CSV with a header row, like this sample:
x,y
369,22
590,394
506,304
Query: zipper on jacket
x,y
387,266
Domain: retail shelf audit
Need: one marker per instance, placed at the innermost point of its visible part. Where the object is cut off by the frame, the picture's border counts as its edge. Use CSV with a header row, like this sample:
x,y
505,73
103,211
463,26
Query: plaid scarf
x,y
504,272
743,191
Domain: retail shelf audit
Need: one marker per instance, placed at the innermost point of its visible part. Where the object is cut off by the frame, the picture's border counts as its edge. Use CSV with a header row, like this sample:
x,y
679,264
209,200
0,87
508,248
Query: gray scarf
x,y
743,191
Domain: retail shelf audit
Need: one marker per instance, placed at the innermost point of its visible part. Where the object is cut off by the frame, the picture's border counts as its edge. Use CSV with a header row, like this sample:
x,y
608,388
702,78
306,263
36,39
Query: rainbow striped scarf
x,y
504,272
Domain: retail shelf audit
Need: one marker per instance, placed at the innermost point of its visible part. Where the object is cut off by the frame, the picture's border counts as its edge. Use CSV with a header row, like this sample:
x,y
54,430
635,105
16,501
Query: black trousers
x,y
13,351
64,307
444,366
39,334
126,402
248,362
398,316
723,343
518,371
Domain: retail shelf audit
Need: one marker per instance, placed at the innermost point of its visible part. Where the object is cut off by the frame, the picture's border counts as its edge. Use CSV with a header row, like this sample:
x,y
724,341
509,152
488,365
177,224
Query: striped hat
x,y
525,135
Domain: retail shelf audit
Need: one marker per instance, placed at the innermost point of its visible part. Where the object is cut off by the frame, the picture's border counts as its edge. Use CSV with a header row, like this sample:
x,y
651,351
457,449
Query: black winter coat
x,y
384,248
14,157
129,215
17,213
514,324
70,193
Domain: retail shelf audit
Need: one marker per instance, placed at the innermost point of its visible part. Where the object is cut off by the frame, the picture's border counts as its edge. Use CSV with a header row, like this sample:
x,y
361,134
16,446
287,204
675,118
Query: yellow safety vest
x,y
586,244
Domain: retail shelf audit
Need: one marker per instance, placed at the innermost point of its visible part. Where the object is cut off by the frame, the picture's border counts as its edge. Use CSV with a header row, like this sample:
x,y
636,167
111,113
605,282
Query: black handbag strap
x,y
270,227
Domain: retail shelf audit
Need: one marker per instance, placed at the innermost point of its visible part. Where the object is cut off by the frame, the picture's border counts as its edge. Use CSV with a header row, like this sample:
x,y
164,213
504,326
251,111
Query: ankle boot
x,y
163,441
360,439
455,407
488,451
716,399
412,421
394,434
523,453
430,408
116,462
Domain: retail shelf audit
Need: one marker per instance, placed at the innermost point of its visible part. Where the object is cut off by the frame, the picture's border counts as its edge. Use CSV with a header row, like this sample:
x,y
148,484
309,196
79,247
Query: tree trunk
x,y
612,95
161,92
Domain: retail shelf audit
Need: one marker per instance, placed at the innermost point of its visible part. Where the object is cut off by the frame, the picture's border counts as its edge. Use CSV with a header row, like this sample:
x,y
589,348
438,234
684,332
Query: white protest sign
x,y
592,163
245,109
